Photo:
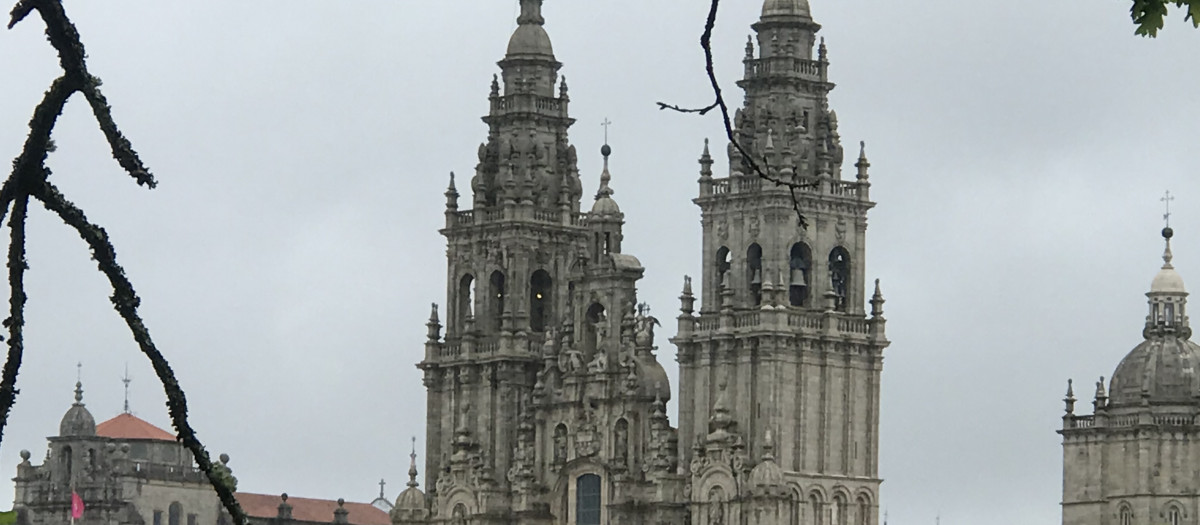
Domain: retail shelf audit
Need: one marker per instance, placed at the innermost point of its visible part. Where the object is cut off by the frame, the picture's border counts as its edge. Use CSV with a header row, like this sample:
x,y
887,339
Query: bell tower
x,y
781,364
546,403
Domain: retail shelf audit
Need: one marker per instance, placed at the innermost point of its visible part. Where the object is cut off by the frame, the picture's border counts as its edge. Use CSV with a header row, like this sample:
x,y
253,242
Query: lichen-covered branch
x,y
126,301
16,315
30,178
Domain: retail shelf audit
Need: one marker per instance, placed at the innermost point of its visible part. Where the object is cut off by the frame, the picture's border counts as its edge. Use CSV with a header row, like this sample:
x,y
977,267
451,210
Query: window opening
x,y
839,275
497,298
799,263
539,300
174,514
754,273
466,298
587,500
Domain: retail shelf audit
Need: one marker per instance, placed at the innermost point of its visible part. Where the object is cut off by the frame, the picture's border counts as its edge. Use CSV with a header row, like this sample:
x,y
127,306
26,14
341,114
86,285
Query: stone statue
x,y
599,364
570,361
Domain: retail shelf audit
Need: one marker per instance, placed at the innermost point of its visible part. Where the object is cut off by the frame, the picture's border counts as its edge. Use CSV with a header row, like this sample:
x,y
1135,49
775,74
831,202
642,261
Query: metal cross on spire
x,y
1167,198
606,124
382,483
126,379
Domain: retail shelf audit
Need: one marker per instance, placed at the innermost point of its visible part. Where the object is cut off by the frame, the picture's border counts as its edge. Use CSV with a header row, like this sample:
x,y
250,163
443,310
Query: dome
x,y
605,205
77,421
530,39
411,499
1161,370
652,378
785,8
766,474
1167,281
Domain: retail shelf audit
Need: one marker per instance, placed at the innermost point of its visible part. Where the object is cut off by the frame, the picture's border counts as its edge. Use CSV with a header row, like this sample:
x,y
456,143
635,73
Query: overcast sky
x,y
288,258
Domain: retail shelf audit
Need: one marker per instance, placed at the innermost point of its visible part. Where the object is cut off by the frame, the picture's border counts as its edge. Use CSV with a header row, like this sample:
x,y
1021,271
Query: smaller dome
x,y
785,8
1167,281
411,499
605,205
530,39
766,474
652,378
77,421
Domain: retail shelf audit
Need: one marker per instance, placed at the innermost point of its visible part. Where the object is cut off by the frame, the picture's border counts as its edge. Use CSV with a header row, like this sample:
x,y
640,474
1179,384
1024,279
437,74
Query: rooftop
x,y
129,426
314,510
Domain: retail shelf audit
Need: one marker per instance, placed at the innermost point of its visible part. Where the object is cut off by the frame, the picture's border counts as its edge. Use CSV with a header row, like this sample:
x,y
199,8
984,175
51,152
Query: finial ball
x,y
224,458
25,455
605,150
1167,232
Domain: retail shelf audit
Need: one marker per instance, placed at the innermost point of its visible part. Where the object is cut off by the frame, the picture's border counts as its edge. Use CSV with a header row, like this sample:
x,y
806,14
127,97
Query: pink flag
x,y
76,506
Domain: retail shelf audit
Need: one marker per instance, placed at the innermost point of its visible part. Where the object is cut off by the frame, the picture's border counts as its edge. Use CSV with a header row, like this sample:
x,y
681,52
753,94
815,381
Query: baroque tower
x,y
780,367
1132,461
546,404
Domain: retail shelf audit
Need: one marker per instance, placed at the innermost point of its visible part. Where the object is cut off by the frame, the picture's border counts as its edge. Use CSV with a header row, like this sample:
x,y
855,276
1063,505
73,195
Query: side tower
x,y
1132,461
546,404
780,368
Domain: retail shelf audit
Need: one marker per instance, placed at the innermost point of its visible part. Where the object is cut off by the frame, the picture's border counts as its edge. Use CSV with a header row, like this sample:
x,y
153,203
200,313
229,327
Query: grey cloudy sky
x,y
288,259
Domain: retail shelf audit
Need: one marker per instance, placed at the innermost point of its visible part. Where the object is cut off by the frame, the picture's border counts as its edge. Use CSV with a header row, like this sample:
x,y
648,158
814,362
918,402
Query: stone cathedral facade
x,y
546,400
1133,460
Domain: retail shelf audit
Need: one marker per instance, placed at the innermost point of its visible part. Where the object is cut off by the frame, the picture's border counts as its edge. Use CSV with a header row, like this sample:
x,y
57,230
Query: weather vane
x,y
1167,198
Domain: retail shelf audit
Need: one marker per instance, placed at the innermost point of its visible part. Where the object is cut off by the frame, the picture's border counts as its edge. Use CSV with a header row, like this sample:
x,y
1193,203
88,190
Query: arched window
x,y
497,296
1170,313
797,507
67,462
814,505
539,300
560,444
466,298
587,500
754,273
621,440
595,330
864,511
839,276
458,516
1126,515
1174,515
91,460
722,261
799,265
175,514
839,510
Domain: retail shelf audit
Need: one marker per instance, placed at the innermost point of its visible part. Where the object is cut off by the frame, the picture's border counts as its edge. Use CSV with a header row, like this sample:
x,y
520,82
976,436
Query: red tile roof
x,y
129,426
314,510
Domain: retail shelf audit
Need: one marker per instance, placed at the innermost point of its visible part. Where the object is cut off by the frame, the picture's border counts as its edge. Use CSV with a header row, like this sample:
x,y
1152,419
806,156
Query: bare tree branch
x,y
763,171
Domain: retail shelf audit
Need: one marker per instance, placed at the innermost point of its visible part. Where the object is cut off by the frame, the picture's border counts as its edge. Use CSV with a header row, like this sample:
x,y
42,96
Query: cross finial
x,y
126,380
606,124
1166,199
79,372
382,483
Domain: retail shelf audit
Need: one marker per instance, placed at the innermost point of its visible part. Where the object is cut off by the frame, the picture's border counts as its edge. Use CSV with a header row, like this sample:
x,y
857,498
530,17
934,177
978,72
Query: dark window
x,y
466,297
158,517
67,463
723,261
754,273
539,300
799,265
497,300
587,500
839,275
191,519
175,514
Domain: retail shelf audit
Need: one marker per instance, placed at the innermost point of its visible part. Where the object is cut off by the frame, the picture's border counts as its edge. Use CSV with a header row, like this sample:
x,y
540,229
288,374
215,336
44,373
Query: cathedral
x,y
1132,461
546,399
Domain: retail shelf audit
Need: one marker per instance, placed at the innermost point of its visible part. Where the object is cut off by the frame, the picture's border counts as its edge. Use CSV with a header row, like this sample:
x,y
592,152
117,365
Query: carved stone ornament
x,y
722,230
839,230
587,440
753,225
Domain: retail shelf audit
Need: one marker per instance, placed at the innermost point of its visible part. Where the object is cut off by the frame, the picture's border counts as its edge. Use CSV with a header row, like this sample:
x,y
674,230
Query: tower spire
x,y
531,13
79,383
412,465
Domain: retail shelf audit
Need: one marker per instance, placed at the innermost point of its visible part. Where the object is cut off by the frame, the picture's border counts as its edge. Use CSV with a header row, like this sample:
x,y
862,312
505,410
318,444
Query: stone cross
x,y
606,124
1167,198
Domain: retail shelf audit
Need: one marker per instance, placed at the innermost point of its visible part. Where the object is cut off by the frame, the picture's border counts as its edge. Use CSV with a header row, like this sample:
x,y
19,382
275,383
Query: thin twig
x,y
762,172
